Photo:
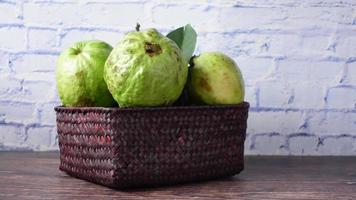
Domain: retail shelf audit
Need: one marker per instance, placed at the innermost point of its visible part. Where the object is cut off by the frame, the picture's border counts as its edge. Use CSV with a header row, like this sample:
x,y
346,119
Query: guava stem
x,y
137,27
191,61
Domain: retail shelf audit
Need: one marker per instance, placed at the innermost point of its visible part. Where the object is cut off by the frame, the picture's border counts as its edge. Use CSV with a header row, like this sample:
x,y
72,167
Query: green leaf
x,y
186,38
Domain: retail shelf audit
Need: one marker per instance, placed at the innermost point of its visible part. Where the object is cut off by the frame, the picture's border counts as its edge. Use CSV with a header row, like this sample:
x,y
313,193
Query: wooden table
x,y
36,176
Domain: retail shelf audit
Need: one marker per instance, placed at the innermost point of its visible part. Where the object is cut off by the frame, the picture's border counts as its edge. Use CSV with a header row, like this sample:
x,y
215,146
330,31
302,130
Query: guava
x,y
79,75
215,79
145,69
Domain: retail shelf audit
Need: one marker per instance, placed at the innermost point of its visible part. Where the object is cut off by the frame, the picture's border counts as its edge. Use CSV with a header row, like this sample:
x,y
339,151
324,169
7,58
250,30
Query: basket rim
x,y
225,106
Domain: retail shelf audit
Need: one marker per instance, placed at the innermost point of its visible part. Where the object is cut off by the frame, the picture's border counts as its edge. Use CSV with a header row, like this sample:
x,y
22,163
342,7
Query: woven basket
x,y
135,147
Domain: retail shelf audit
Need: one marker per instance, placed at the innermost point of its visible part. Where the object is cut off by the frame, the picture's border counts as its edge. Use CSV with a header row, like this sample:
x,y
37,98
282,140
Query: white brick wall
x,y
298,59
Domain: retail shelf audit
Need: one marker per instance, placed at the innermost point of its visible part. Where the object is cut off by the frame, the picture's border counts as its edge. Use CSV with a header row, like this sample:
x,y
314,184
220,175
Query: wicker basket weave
x,y
138,147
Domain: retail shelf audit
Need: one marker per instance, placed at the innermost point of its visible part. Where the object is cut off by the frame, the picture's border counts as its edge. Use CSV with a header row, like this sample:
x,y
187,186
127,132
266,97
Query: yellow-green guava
x,y
145,69
79,75
215,79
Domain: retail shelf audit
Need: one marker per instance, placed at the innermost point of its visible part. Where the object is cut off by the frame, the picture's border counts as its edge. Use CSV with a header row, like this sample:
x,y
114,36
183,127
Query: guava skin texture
x,y
145,69
215,79
79,75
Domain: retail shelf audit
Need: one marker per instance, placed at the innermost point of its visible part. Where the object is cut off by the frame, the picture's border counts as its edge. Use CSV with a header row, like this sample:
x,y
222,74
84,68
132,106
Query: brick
x,y
202,17
247,144
254,68
274,94
51,14
113,14
269,145
247,44
73,36
280,122
10,13
17,112
316,44
281,45
48,115
332,123
250,96
319,71
312,18
325,71
308,95
264,44
345,46
237,18
53,96
42,39
12,38
30,91
40,138
215,42
4,63
25,63
342,145
341,97
294,3
3,60
68,39
36,91
10,134
38,76
276,3
8,85
35,67
93,14
330,3
294,70
108,36
351,73
303,145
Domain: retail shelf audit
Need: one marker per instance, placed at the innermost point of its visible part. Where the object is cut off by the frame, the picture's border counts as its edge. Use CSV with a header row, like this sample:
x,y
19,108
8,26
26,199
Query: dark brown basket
x,y
136,147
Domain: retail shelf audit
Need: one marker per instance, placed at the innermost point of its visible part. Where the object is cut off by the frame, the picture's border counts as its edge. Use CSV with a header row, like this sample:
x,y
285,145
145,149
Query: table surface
x,y
36,176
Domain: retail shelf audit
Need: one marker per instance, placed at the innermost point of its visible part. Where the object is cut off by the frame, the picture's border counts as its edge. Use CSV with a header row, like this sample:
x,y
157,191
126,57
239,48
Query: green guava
x,y
79,75
145,69
215,79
